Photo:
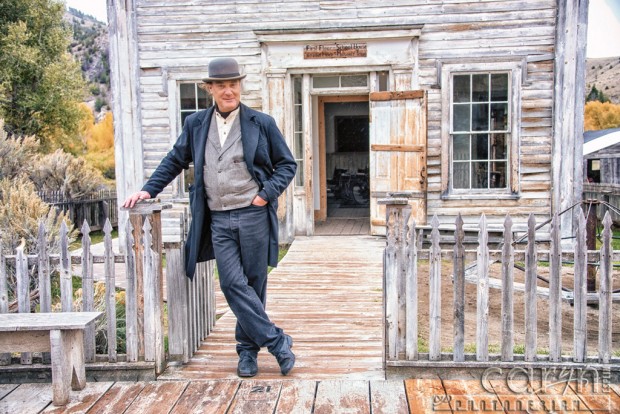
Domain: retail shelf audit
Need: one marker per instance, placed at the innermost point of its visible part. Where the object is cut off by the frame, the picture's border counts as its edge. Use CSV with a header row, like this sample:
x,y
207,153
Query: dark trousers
x,y
241,241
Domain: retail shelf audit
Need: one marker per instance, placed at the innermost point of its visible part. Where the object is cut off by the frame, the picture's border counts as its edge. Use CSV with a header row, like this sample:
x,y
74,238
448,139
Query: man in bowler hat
x,y
241,165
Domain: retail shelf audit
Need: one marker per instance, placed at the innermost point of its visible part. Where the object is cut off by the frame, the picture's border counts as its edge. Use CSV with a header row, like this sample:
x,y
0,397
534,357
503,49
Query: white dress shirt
x,y
224,124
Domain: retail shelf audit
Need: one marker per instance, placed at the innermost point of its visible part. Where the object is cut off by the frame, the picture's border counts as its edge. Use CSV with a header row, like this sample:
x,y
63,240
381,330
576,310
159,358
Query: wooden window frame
x,y
515,79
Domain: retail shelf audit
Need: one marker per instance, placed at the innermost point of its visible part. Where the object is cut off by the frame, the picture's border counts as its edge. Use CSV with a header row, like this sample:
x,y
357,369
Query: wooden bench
x,y
61,334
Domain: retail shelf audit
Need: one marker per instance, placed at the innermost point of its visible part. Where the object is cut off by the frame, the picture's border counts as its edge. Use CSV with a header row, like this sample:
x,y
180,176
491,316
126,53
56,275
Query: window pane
x,y
498,175
354,80
299,145
479,173
183,116
499,117
480,86
188,96
188,177
480,117
461,88
480,147
299,175
460,120
382,80
298,125
203,99
326,81
297,90
498,147
499,87
460,147
460,173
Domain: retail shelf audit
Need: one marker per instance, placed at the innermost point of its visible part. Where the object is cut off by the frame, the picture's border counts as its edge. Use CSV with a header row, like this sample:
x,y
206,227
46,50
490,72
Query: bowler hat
x,y
222,69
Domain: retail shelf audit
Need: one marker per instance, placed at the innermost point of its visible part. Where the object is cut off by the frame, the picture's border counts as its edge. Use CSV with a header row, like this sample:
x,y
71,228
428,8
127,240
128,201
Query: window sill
x,y
486,196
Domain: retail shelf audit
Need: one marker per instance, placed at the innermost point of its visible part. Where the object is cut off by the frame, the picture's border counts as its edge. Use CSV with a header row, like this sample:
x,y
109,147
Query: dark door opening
x,y
344,152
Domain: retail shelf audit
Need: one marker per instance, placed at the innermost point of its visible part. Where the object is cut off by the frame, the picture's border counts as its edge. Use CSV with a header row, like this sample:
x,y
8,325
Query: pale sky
x,y
603,30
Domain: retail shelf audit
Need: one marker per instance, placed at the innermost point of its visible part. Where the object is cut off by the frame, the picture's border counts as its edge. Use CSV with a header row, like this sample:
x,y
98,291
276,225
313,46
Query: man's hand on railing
x,y
135,198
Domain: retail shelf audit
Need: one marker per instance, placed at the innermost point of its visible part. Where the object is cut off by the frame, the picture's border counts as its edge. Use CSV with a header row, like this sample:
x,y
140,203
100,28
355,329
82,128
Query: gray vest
x,y
228,183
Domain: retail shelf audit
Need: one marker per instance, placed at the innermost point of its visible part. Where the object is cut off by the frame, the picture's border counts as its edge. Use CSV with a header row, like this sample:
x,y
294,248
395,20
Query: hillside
x,y
604,73
90,46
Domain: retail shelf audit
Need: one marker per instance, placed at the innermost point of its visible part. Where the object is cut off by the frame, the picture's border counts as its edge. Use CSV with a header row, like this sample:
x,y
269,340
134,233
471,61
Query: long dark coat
x,y
267,157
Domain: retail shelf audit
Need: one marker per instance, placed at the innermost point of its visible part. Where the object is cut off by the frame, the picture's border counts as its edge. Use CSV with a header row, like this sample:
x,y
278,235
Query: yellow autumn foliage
x,y
601,116
99,142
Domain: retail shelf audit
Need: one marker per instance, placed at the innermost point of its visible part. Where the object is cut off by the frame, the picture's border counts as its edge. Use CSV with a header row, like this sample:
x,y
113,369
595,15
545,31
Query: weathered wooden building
x,y
464,106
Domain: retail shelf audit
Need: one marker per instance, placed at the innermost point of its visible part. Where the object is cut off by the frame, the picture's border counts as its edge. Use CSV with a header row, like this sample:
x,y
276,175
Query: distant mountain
x,y
604,73
90,46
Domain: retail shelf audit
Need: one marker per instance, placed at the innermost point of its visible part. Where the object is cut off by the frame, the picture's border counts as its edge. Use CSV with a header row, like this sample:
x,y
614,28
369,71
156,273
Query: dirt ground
x,y
495,306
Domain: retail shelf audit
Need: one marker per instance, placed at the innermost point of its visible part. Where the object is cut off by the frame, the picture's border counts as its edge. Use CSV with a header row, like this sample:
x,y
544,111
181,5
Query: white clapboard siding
x,y
176,41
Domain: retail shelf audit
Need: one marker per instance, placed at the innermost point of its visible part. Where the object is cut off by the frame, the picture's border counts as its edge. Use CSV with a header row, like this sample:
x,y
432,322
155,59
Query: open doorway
x,y
344,165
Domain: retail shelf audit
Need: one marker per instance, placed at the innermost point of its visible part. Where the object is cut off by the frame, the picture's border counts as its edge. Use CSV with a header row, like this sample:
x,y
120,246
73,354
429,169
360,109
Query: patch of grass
x,y
95,237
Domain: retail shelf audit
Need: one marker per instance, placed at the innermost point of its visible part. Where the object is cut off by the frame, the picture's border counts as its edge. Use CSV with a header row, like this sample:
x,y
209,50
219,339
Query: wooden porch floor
x,y
327,294
304,396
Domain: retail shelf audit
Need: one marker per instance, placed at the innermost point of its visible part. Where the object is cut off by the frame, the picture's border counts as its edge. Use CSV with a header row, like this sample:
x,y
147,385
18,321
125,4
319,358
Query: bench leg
x,y
67,349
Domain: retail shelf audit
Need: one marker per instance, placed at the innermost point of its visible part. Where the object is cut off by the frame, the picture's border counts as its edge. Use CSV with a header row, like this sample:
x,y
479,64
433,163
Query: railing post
x,y
398,212
148,210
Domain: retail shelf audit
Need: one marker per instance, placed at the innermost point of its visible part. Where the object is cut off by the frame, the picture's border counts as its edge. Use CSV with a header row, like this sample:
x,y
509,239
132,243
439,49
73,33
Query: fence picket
x,y
391,285
459,291
555,292
88,292
482,310
43,269
110,291
435,293
131,311
508,263
177,305
148,280
531,315
411,295
580,309
66,282
5,359
23,290
605,289
137,222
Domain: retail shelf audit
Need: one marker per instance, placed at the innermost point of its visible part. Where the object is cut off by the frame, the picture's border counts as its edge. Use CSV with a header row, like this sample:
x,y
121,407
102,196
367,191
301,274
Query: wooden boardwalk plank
x,y
426,396
256,397
206,397
157,397
27,399
6,389
388,397
327,294
82,401
296,397
342,397
469,395
117,398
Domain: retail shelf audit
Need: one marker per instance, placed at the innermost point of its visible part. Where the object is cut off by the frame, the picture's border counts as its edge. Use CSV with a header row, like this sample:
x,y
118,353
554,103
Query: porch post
x,y
570,45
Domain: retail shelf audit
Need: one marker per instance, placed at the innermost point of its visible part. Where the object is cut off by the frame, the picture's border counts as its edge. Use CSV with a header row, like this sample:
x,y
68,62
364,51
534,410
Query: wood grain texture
x,y
118,398
296,397
157,397
206,397
342,397
81,401
27,399
327,294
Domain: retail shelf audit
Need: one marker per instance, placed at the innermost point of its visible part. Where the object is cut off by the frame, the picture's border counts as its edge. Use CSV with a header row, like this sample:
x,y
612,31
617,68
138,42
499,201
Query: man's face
x,y
227,94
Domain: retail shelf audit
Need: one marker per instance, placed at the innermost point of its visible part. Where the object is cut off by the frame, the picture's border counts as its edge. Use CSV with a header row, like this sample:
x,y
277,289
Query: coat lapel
x,y
200,141
249,136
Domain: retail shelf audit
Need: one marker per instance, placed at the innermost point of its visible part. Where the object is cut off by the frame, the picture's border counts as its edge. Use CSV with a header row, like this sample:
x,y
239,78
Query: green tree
x,y
596,95
40,83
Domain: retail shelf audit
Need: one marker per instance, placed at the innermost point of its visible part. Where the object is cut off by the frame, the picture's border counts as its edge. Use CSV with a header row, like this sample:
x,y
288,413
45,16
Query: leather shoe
x,y
247,367
284,356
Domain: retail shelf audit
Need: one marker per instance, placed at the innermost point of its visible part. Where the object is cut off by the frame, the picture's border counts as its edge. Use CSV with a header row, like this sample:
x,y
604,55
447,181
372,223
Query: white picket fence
x,y
191,316
404,251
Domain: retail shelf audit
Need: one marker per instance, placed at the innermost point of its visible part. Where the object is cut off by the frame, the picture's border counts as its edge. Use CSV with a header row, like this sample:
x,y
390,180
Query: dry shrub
x,y
70,175
16,154
21,211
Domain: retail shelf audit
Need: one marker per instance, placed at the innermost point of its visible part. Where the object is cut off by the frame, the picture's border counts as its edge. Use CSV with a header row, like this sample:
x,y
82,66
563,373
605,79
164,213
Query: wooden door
x,y
397,152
